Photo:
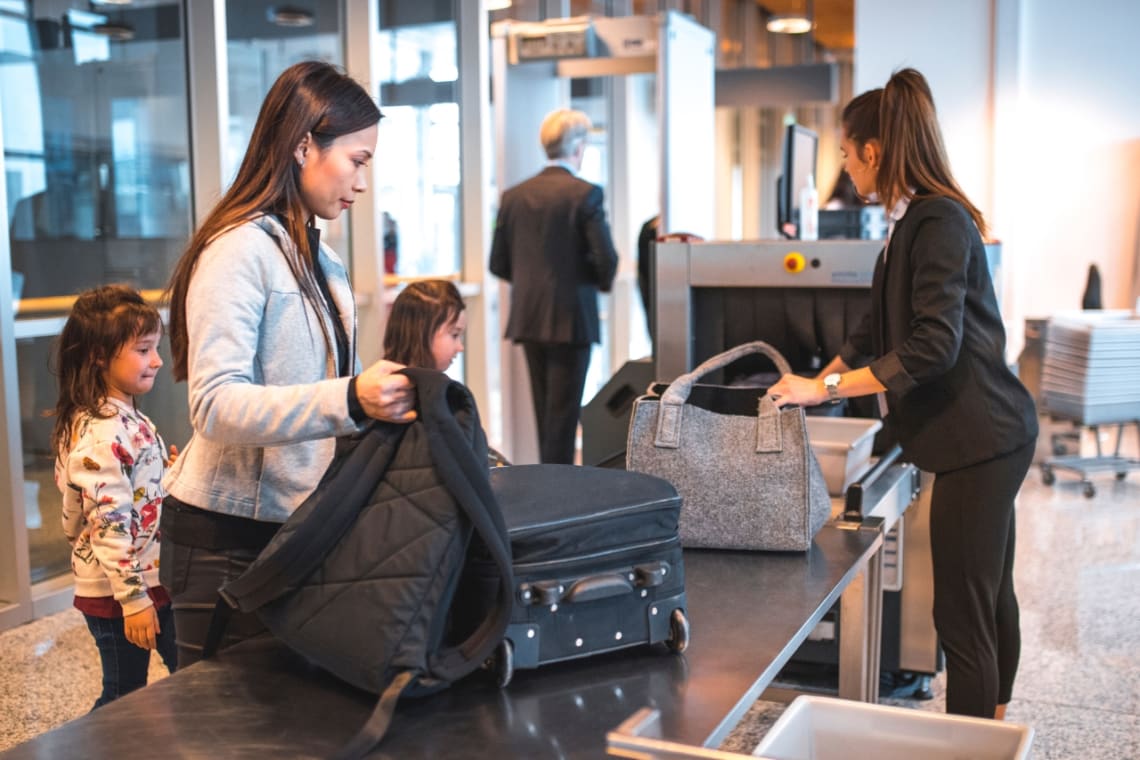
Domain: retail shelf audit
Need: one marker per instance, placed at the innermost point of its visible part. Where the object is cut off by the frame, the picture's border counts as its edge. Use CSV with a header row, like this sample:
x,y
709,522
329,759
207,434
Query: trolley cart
x,y
1085,466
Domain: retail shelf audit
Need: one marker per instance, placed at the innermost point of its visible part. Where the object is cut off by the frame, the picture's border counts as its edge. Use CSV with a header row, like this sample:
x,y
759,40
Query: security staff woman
x,y
934,345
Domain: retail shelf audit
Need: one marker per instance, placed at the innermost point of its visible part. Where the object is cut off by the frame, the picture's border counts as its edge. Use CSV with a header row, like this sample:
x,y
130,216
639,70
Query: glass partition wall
x,y
416,54
96,170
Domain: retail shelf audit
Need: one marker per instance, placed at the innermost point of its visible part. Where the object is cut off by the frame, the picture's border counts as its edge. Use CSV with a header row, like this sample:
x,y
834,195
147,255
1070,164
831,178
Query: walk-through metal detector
x,y
662,65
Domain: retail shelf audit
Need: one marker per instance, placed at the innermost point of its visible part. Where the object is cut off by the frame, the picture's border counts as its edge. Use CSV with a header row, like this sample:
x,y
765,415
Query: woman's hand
x,y
142,628
171,454
384,395
793,389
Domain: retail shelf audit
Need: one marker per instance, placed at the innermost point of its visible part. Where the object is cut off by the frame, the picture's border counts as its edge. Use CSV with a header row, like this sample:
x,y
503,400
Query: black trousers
x,y
557,377
201,551
972,536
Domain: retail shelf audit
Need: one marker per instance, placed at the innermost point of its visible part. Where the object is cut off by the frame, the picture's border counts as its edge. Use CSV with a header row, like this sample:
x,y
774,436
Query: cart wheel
x,y
503,664
1090,490
678,632
1047,476
1121,475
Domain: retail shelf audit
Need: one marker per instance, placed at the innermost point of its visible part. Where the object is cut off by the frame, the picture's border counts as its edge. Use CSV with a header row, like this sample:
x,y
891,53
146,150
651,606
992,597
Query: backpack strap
x,y
219,621
467,477
376,726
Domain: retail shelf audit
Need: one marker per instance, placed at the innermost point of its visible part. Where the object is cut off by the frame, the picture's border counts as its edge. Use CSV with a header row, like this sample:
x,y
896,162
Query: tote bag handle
x,y
672,404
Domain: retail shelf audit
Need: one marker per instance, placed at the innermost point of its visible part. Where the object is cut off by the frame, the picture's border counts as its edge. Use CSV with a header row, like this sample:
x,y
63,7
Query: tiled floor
x,y
1078,571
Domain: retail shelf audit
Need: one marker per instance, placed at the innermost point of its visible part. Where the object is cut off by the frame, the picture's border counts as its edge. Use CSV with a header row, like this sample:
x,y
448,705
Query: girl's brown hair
x,y
419,311
102,321
901,116
308,98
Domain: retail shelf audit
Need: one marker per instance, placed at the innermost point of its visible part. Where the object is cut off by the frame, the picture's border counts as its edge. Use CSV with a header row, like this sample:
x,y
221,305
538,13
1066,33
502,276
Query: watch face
x,y
831,382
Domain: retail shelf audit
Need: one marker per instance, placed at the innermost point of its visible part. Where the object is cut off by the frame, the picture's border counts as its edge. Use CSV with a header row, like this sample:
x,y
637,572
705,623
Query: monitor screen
x,y
800,145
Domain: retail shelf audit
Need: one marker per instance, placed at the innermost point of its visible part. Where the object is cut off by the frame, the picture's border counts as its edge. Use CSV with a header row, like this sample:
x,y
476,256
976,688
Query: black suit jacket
x,y
552,243
934,338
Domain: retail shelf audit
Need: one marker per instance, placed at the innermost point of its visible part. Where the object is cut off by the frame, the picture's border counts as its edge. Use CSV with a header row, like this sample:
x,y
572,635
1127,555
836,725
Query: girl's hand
x,y
171,454
142,628
793,389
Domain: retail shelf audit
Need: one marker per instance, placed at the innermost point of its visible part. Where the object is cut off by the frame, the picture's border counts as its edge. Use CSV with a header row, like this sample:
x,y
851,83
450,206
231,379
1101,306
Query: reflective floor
x,y
1078,571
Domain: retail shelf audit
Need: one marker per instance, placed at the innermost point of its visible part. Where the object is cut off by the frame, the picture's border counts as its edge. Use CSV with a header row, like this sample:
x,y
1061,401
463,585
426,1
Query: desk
x,y
749,612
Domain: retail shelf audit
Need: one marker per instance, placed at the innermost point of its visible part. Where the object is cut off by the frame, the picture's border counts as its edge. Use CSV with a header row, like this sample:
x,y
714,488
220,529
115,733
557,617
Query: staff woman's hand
x,y
384,395
793,389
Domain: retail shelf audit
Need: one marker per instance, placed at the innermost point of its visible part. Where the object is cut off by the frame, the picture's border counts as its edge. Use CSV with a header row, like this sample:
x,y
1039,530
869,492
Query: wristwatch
x,y
831,382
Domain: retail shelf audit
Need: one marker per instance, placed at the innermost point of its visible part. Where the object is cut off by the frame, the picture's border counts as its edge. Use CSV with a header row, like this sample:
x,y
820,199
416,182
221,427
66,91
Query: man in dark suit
x,y
552,243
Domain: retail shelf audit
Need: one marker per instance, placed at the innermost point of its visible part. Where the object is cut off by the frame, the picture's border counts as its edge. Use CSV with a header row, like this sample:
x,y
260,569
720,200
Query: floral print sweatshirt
x,y
111,481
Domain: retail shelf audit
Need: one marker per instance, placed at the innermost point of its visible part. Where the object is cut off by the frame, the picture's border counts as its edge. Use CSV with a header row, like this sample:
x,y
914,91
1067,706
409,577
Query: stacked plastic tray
x,y
1091,372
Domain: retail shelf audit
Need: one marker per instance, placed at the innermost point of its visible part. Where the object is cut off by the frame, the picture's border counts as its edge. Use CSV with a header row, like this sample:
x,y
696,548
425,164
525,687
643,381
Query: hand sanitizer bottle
x,y
809,211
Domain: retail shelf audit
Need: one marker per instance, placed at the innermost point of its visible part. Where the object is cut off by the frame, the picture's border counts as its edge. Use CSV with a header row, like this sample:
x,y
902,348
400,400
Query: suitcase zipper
x,y
546,525
630,549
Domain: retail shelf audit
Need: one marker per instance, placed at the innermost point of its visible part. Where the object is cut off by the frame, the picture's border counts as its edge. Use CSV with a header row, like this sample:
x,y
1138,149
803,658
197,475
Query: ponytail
x,y
914,155
914,158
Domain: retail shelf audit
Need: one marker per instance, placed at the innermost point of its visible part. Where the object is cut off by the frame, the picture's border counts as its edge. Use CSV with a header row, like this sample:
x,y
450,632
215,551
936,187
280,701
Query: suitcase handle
x,y
648,575
598,587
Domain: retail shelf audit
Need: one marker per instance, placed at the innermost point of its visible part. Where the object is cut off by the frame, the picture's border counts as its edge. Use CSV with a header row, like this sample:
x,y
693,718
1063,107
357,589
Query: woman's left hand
x,y
793,389
385,395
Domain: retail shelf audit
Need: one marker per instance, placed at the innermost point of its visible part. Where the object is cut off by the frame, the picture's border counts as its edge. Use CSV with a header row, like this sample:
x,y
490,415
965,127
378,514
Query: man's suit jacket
x,y
939,345
552,243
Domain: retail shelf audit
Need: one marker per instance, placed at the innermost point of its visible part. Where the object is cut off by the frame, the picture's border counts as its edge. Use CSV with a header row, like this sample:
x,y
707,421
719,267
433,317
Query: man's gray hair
x,y
563,131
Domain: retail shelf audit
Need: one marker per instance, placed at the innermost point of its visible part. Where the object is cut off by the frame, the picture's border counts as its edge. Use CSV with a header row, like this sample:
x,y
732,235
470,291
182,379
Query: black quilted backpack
x,y
382,542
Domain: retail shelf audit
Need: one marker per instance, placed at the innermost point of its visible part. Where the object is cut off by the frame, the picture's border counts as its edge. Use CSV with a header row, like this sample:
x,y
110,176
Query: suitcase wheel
x,y
678,632
502,663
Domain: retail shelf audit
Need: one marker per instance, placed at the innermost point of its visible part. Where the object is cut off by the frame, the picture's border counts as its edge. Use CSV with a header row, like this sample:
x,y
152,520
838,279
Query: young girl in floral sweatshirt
x,y
109,467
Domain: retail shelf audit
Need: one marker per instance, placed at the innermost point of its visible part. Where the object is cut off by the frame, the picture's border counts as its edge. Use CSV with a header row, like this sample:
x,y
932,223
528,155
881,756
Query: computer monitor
x,y
800,147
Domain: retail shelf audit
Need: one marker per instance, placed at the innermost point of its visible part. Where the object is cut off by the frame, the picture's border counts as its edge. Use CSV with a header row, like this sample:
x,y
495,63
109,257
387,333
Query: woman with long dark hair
x,y
263,329
933,345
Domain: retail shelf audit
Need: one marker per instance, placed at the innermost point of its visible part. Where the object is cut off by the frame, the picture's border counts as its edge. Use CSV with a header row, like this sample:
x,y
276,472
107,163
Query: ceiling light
x,y
112,2
789,23
498,5
290,15
115,31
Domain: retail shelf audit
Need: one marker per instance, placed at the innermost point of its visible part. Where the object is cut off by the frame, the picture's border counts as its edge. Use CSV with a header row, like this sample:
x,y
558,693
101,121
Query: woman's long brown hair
x,y
308,98
102,321
901,116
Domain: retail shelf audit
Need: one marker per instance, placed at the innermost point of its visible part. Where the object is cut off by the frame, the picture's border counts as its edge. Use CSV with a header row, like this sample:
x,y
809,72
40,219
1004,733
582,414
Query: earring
x,y
301,163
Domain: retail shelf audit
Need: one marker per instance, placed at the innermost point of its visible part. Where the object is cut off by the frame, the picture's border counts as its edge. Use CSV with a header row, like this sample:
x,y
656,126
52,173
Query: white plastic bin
x,y
843,447
825,728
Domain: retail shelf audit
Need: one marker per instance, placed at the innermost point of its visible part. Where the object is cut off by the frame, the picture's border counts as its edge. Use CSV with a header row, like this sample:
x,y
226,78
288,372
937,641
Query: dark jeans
x,y
124,664
201,551
972,537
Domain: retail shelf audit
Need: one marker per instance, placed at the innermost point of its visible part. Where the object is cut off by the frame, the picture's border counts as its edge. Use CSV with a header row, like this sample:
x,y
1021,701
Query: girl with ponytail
x,y
933,348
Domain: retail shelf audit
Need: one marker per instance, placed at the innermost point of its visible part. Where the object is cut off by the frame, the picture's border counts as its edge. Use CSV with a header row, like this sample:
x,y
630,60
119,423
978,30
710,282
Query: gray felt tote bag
x,y
747,476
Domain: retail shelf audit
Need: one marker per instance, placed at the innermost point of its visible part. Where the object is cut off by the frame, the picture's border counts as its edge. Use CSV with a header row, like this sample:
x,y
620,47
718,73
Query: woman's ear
x,y
873,153
300,153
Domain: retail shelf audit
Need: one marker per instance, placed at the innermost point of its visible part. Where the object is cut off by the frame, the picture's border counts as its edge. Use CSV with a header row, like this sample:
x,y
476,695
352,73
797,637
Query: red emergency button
x,y
794,262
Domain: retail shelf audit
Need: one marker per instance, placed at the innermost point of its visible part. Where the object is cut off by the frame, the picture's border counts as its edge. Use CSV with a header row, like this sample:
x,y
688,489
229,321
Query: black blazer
x,y
934,338
552,243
